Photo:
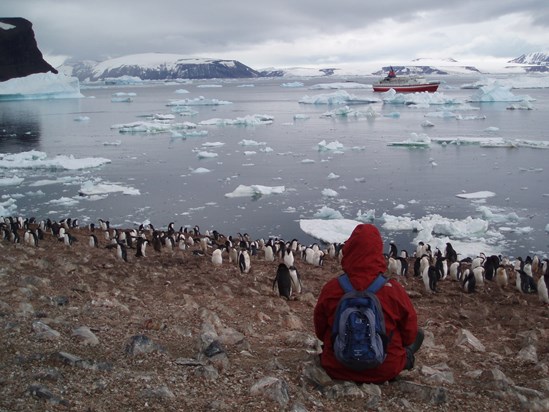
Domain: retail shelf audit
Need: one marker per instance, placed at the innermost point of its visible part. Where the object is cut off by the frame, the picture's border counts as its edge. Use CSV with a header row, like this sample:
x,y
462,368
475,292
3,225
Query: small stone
x,y
273,388
467,339
86,336
44,332
207,372
436,395
139,344
162,392
528,354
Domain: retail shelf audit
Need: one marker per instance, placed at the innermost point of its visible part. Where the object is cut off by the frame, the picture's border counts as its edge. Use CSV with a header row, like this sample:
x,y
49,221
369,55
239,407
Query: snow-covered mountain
x,y
160,66
537,62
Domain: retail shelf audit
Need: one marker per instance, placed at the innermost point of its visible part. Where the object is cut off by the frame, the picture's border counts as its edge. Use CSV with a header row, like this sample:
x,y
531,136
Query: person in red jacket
x,y
363,261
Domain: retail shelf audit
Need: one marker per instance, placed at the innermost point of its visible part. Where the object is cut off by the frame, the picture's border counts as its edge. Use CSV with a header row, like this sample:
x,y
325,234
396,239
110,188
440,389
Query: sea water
x,y
365,174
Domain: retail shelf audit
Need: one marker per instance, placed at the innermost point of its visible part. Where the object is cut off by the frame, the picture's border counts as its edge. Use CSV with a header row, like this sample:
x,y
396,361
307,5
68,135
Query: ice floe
x,y
495,92
198,101
424,99
292,84
255,191
11,181
334,146
90,188
339,97
349,112
40,86
329,231
483,194
252,120
326,212
34,159
153,127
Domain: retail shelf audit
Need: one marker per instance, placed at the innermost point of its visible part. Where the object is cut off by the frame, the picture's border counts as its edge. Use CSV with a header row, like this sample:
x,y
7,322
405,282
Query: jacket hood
x,y
363,253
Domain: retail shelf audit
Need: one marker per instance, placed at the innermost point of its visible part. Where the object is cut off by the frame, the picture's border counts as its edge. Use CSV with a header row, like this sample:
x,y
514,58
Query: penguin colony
x,y
526,276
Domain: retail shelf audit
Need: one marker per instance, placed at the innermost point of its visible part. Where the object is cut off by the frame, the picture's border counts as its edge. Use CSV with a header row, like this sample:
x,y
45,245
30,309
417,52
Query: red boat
x,y
405,84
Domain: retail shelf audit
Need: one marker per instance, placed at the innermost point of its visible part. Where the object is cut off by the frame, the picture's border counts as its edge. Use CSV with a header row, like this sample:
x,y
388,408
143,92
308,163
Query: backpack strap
x,y
377,284
347,287
345,283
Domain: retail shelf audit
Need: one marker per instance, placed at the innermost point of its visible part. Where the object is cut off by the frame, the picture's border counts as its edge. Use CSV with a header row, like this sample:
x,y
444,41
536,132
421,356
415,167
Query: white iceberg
x,y
476,195
330,147
255,191
11,181
40,86
206,155
63,201
39,160
329,193
339,97
329,231
252,120
326,212
90,188
496,92
199,101
159,126
424,99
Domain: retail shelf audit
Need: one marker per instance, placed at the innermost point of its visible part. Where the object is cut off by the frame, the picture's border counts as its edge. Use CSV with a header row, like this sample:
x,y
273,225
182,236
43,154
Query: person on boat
x,y
392,73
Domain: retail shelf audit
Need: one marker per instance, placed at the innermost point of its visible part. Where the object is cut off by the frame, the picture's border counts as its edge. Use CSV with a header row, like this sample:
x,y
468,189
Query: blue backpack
x,y
359,339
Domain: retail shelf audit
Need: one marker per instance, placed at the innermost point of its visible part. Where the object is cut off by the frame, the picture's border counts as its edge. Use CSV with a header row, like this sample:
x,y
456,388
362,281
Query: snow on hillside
x,y
532,58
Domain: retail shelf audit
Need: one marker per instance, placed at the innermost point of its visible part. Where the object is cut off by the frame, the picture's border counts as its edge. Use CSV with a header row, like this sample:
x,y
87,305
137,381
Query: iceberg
x,y
476,195
424,99
159,126
329,231
339,97
199,101
326,212
40,86
330,147
292,84
11,181
349,112
416,140
90,188
255,191
496,92
8,207
253,120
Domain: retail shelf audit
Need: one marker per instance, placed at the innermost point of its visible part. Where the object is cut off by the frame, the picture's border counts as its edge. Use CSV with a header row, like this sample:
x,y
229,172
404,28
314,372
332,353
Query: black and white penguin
x,y
92,242
469,282
393,250
543,288
450,253
525,283
296,279
430,279
455,271
490,266
478,272
441,265
122,252
244,261
288,257
284,281
269,255
141,247
478,261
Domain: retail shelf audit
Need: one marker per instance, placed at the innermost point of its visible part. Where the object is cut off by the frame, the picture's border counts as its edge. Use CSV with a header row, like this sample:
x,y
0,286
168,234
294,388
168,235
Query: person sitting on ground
x,y
363,261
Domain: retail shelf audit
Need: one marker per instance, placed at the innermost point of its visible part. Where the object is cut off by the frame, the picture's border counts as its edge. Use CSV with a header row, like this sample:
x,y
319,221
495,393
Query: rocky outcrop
x,y
19,53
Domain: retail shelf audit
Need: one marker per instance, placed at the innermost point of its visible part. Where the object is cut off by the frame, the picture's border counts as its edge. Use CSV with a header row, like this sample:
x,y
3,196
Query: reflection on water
x,y
19,127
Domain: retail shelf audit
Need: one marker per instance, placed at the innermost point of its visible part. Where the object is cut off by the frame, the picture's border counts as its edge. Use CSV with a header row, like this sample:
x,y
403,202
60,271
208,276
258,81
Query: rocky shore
x,y
84,330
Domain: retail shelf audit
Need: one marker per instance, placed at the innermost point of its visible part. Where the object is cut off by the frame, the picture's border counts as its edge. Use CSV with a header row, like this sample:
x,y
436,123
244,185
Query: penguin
x,y
454,271
269,255
393,250
478,272
157,242
430,279
288,257
93,241
284,281
296,279
420,249
478,261
417,267
525,283
309,255
121,251
543,288
502,279
450,253
233,255
490,266
318,257
397,266
423,264
469,282
244,261
217,257
441,266
141,247
404,254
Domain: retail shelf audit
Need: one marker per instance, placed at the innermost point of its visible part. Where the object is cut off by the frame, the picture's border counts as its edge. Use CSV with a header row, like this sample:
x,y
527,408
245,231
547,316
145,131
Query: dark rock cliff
x,y
19,53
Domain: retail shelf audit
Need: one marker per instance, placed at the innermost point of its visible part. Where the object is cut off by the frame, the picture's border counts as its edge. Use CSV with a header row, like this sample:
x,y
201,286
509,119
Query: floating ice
x,y
307,161
490,215
246,142
393,115
249,153
520,106
419,98
301,116
349,112
40,86
63,201
209,86
329,147
496,92
8,207
159,126
123,80
199,101
366,217
476,195
427,123
81,119
339,97
206,155
126,99
416,140
329,193
492,129
90,188
333,176
253,120
326,212
38,160
181,91
255,191
329,231
114,143
292,84
200,170
213,144
346,85
11,181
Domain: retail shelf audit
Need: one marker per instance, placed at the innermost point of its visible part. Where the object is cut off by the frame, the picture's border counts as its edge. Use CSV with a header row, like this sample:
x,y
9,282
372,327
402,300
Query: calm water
x,y
373,175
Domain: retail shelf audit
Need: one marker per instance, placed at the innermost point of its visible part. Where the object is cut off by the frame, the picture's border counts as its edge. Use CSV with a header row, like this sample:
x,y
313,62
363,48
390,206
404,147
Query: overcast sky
x,y
286,33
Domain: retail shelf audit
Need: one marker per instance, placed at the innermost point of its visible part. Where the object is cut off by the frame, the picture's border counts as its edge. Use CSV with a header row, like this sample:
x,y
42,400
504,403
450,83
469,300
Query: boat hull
x,y
428,87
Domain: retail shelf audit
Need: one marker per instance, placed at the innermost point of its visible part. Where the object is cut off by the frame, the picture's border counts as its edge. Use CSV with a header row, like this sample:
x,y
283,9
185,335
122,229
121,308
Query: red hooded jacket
x,y
363,260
